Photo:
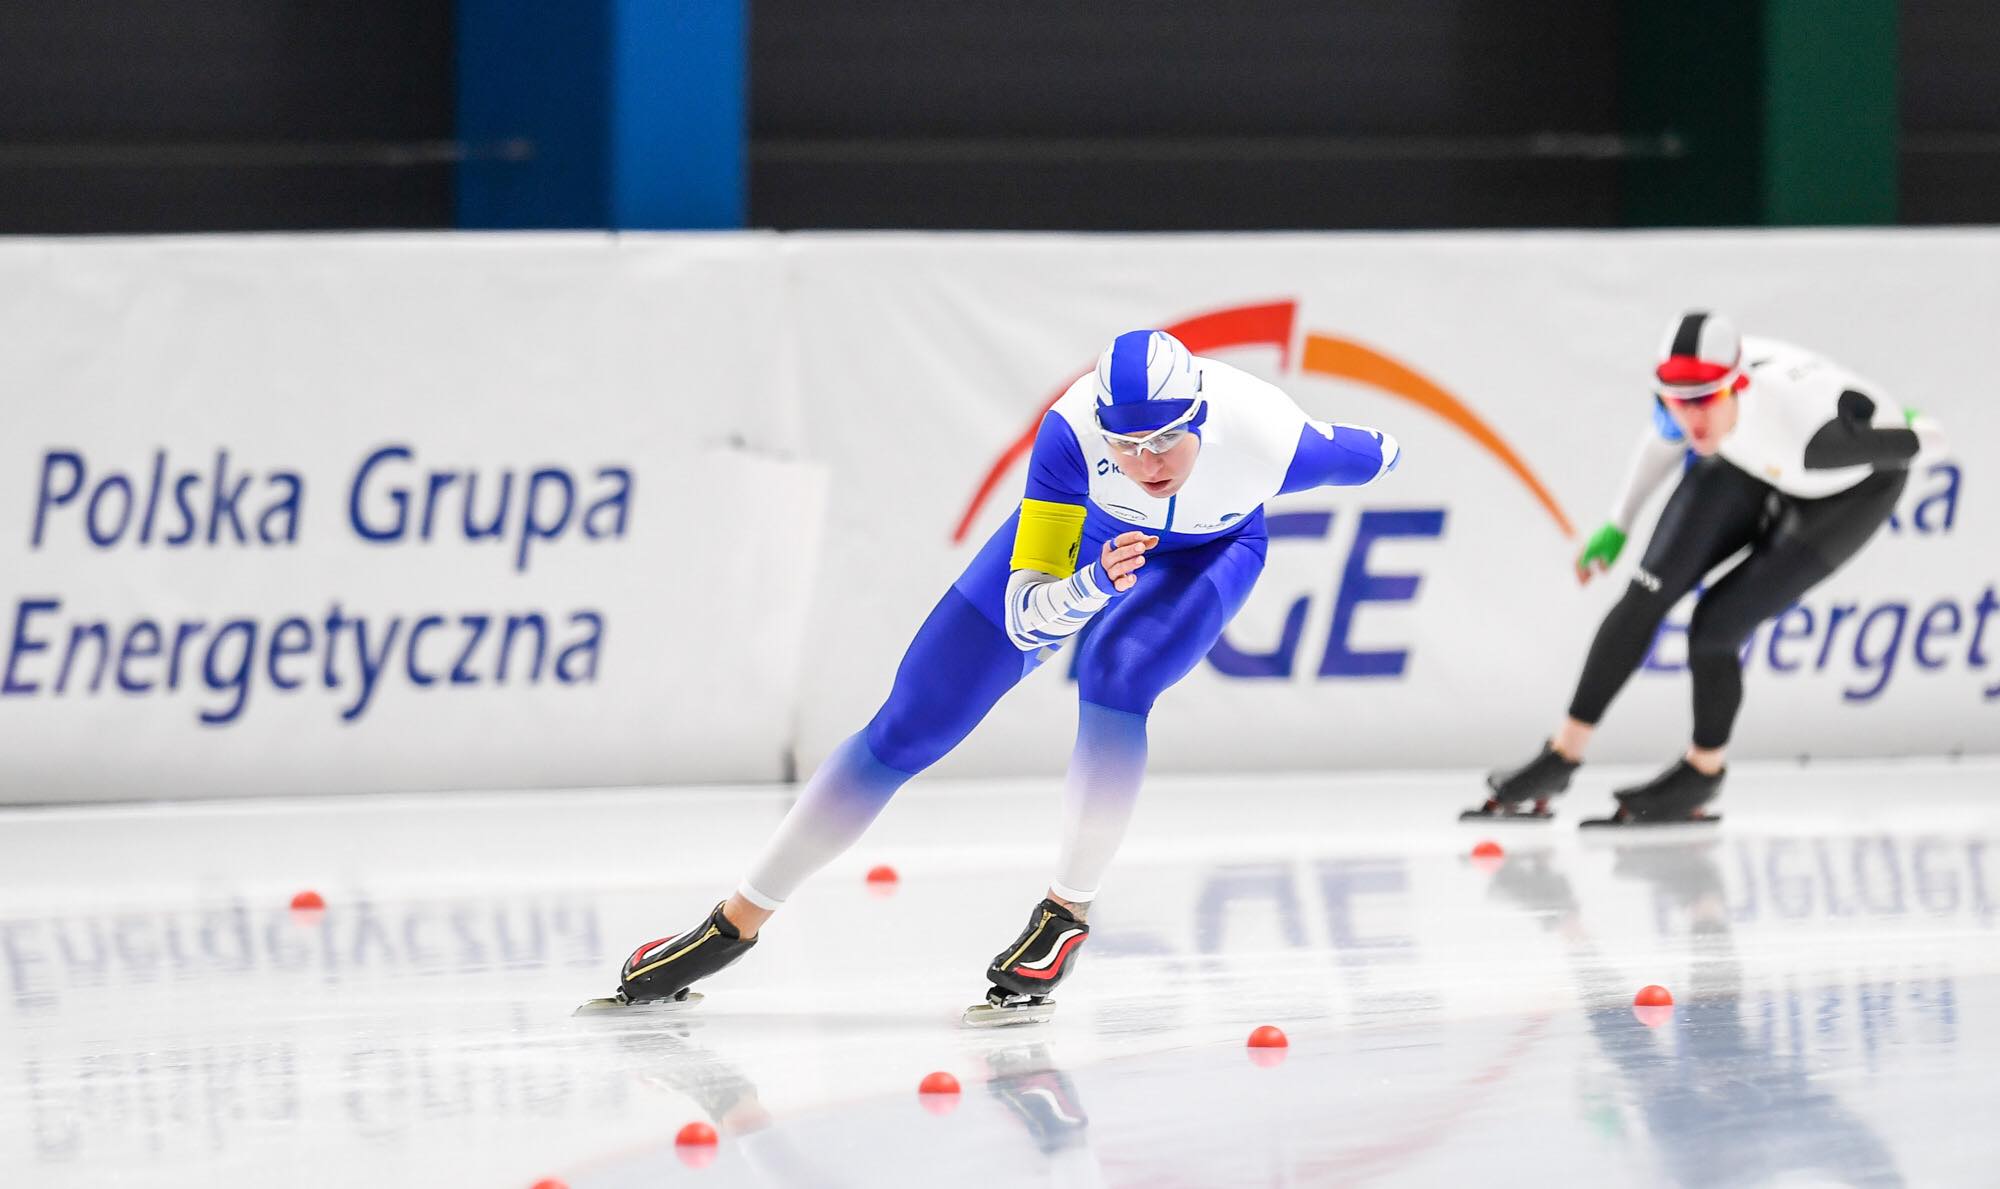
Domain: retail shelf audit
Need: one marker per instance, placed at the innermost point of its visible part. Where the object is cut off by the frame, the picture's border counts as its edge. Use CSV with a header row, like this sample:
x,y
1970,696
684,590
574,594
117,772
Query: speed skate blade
x,y
986,1015
1692,824
1500,815
614,1006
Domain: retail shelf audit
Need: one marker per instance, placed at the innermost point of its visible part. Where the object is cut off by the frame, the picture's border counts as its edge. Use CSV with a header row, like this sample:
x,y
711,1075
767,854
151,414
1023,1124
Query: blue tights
x,y
962,662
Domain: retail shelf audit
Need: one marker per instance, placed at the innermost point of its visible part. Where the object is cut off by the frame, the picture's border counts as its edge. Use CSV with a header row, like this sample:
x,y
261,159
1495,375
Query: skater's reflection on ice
x,y
1724,1102
667,1056
1025,1078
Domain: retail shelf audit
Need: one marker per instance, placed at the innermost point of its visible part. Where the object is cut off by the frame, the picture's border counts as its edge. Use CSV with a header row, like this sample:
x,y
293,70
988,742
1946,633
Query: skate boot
x,y
1674,797
1522,794
1026,971
662,970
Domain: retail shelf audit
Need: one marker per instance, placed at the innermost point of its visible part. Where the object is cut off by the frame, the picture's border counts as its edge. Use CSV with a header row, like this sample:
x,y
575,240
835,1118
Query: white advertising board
x,y
253,536
311,514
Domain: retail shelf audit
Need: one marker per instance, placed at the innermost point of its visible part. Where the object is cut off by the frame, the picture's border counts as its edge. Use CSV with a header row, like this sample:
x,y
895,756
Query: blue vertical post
x,y
531,113
678,122
603,113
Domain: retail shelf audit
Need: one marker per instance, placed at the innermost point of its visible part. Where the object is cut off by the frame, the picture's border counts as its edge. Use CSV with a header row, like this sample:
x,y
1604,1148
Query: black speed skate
x,y
1026,971
1523,793
661,971
1674,797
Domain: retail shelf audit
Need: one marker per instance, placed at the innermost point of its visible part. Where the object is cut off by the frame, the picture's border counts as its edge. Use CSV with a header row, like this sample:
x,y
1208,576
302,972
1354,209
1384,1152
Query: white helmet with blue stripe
x,y
1147,383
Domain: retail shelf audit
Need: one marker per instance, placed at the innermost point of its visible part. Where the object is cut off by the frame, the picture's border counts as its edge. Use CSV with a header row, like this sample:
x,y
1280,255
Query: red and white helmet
x,y
1701,356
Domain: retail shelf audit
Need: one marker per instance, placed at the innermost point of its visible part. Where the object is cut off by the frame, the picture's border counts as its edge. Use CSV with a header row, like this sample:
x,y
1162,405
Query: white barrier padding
x,y
306,515
298,514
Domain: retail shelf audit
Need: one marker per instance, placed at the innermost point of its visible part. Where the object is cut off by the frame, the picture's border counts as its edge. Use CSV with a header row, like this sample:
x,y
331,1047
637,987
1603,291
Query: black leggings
x,y
1716,511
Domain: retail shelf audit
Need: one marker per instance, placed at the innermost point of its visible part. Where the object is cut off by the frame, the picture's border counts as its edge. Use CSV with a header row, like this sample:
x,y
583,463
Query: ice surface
x,y
1832,947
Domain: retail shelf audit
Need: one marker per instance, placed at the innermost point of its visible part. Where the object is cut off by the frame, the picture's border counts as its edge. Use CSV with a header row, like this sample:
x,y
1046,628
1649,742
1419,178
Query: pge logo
x,y
1359,586
1330,357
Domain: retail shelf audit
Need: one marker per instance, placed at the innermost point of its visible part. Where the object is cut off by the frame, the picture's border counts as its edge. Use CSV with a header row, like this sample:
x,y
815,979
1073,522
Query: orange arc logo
x,y
1347,360
1271,325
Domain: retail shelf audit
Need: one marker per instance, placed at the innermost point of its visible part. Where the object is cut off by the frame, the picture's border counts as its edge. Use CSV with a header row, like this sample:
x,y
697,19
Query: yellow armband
x,y
1048,537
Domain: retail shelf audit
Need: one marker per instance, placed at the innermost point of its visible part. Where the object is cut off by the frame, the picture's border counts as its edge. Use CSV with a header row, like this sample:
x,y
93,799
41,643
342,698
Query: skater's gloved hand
x,y
1600,552
1122,557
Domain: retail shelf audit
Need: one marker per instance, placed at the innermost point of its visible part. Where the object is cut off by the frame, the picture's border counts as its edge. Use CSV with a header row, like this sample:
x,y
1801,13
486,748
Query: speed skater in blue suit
x,y
1139,535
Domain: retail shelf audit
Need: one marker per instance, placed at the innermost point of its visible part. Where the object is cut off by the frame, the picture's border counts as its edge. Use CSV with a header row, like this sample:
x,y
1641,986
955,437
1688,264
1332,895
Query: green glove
x,y
1600,551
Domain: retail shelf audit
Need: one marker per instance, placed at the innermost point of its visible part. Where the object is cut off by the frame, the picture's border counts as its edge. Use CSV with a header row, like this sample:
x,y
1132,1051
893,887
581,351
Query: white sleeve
x,y
1652,462
1043,609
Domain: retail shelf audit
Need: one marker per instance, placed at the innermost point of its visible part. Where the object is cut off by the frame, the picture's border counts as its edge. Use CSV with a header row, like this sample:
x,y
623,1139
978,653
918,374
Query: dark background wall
x,y
1949,99
1137,114
139,115
149,115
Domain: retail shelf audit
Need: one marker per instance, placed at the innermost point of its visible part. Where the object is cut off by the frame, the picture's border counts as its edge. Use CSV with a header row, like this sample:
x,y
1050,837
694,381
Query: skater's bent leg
x,y
838,803
1723,619
1773,577
958,666
1142,646
1712,513
1621,643
1810,541
746,916
1146,641
1709,761
1105,770
1572,738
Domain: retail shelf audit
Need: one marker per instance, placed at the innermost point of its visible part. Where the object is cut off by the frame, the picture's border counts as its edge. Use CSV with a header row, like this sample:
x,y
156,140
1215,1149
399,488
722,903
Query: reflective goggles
x,y
1691,401
1157,441
1696,395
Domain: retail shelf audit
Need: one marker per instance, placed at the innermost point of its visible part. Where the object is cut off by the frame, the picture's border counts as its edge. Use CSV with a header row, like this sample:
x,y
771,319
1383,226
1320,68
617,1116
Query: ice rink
x,y
1832,947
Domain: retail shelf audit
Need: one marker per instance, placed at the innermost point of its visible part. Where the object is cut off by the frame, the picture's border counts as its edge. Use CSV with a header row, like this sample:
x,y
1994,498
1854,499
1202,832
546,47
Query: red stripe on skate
x,y
1055,968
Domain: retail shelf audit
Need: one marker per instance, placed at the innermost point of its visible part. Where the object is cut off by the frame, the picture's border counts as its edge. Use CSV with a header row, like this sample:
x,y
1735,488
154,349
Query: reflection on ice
x,y
1832,967
1722,1101
50,957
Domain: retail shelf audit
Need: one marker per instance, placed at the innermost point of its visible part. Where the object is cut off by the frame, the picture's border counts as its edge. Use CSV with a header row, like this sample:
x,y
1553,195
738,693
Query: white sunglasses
x,y
1158,441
